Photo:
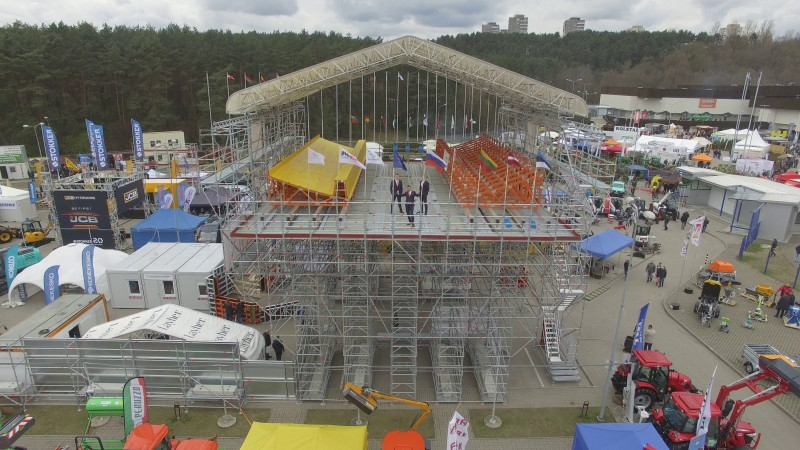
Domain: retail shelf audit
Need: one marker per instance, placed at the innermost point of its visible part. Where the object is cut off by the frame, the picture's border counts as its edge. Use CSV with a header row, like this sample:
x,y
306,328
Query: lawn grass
x,y
199,422
780,267
533,422
380,422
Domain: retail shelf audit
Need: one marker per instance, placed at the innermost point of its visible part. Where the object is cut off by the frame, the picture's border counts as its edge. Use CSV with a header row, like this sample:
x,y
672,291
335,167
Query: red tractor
x,y
652,377
677,420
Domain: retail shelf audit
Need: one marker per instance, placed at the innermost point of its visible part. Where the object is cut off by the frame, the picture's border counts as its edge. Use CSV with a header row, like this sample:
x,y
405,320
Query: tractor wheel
x,y
644,398
748,367
5,236
716,312
696,306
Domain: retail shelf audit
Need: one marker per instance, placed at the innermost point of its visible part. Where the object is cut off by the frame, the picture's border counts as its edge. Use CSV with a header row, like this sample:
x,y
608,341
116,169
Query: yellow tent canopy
x,y
702,157
610,142
292,436
295,170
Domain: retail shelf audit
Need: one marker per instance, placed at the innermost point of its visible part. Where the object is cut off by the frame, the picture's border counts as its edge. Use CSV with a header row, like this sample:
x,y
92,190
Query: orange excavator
x,y
366,400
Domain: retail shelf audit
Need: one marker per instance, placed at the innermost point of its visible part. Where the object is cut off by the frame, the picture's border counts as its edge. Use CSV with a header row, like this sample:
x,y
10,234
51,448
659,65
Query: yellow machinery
x,y
367,400
34,234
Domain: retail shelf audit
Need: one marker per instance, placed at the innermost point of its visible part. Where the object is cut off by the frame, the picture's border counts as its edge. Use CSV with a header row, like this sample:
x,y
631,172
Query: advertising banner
x,y
103,162
134,398
10,154
83,217
87,263
11,263
32,192
129,195
138,141
90,135
51,290
51,148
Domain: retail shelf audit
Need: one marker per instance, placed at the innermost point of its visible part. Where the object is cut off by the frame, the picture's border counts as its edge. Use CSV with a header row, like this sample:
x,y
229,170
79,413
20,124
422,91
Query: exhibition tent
x,y
293,436
184,323
166,225
754,144
605,244
613,436
72,270
15,205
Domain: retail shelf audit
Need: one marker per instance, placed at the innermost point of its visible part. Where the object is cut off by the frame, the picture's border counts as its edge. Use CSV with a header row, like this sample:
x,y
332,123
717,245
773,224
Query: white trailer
x,y
191,278
70,315
126,286
159,283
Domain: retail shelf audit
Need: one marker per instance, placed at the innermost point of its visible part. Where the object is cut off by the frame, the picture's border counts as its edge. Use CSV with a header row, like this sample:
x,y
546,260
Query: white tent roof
x,y
153,173
70,270
703,141
753,142
772,192
657,143
8,191
184,323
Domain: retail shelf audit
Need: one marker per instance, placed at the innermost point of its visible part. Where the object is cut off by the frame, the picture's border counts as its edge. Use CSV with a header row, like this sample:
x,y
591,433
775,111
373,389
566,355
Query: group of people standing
x,y
409,196
659,271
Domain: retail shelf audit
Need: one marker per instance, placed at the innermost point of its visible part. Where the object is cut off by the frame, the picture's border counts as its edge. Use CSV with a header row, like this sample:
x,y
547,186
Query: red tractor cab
x,y
676,421
652,377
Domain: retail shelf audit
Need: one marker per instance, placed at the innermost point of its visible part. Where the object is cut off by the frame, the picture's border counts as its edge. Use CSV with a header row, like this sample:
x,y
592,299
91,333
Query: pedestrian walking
x,y
650,269
239,311
267,344
228,308
773,247
649,335
625,267
666,220
705,224
797,254
685,218
277,345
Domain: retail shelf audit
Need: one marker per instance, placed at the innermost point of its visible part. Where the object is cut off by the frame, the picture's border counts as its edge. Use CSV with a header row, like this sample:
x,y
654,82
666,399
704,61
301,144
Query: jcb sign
x,y
129,195
83,217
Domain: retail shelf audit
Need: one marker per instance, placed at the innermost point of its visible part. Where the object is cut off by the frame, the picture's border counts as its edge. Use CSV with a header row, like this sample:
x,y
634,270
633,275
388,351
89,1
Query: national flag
x,y
383,120
366,120
488,161
466,122
512,160
230,77
398,162
247,78
542,162
452,122
373,158
354,120
638,333
697,230
425,120
438,123
400,76
705,411
315,157
432,159
261,77
346,157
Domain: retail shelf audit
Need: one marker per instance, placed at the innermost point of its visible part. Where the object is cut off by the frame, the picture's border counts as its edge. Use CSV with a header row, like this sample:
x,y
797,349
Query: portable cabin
x,y
70,315
194,289
125,282
159,283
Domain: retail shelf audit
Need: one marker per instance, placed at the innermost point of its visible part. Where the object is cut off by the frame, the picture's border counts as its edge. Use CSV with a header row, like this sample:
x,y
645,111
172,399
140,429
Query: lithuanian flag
x,y
487,161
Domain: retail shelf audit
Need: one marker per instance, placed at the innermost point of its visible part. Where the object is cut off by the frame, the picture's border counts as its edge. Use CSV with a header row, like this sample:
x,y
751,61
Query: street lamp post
x,y
573,83
36,135
438,108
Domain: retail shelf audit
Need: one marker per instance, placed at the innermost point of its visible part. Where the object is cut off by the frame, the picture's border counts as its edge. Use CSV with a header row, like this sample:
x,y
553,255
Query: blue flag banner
x,y
186,163
90,134
398,162
51,148
32,192
11,263
100,148
638,334
87,263
84,158
181,194
161,194
51,290
138,141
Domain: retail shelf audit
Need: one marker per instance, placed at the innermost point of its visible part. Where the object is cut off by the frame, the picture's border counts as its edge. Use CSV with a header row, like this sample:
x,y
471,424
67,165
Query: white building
x,y
13,162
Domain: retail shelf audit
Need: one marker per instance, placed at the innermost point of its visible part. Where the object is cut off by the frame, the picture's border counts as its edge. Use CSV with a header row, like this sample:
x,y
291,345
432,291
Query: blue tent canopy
x,y
637,168
605,244
166,225
612,436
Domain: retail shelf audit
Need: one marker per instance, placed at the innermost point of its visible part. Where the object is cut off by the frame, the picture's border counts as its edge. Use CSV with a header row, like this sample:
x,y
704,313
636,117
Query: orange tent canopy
x,y
702,157
611,141
721,266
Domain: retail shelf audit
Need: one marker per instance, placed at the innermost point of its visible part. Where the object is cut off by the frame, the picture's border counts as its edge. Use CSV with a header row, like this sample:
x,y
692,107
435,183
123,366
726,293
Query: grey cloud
x,y
256,7
442,13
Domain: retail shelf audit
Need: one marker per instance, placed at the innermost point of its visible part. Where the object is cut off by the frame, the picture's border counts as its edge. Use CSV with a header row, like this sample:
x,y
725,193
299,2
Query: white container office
x,y
126,286
193,292
159,284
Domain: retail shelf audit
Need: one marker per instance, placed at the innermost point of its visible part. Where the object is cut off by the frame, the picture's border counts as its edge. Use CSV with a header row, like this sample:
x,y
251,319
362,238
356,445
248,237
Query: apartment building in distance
x,y
518,24
491,27
573,24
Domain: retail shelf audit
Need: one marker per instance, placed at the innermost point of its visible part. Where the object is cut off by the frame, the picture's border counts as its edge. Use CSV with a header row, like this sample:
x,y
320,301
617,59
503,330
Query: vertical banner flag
x,y
181,194
87,263
51,291
457,432
90,134
11,263
697,230
346,157
638,334
100,148
373,157
134,399
705,411
32,192
51,148
315,157
161,194
138,141
189,194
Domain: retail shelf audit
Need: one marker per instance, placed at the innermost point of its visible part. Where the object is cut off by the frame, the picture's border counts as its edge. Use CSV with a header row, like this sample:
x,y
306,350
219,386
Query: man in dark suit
x,y
410,196
424,188
396,188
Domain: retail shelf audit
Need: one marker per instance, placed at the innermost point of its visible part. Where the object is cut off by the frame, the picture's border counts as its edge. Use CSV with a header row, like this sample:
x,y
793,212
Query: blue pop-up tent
x,y
614,436
166,225
605,244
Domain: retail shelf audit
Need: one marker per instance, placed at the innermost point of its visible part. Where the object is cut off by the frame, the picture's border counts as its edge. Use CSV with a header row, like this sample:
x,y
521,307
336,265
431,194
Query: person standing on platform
x,y
277,345
239,311
410,196
649,335
267,344
797,254
396,188
228,308
424,188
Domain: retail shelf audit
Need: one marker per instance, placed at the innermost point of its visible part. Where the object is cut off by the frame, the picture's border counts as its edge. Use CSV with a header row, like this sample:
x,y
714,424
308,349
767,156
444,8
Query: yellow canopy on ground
x,y
296,171
292,436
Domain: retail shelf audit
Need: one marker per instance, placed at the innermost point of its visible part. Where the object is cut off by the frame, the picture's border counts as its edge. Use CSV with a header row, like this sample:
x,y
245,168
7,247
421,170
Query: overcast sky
x,y
390,19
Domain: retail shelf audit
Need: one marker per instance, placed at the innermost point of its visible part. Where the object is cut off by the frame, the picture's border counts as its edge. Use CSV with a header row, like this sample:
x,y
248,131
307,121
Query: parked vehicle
x,y
652,377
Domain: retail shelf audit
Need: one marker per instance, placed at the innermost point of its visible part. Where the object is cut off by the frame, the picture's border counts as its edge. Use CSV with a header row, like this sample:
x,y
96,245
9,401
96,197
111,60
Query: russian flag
x,y
431,159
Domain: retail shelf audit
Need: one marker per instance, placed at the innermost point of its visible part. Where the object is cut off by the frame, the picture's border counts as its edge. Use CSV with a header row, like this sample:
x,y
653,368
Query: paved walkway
x,y
694,349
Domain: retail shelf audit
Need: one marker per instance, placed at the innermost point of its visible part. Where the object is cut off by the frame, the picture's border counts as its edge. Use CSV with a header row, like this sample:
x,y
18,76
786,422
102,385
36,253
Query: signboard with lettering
x,y
83,217
707,103
10,154
129,195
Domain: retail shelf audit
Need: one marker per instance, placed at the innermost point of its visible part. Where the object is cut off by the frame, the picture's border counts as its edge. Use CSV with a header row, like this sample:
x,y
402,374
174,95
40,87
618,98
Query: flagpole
x,y
210,120
505,191
452,176
397,111
228,86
